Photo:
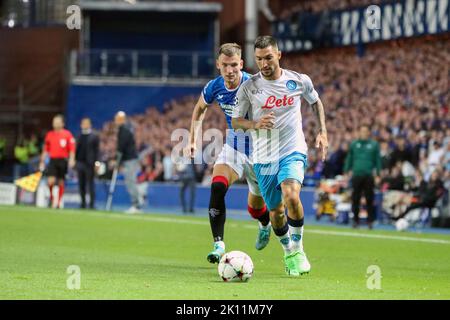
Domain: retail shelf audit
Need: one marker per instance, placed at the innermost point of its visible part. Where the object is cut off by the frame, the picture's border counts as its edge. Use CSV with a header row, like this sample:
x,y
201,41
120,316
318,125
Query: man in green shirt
x,y
362,159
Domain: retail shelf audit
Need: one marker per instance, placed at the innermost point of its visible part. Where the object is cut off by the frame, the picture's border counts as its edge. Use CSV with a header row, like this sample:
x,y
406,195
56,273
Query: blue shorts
x,y
271,175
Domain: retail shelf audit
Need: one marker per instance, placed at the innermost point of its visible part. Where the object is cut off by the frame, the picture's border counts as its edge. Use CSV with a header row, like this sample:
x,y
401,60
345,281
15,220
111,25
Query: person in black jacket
x,y
87,156
401,152
128,158
428,194
188,179
395,180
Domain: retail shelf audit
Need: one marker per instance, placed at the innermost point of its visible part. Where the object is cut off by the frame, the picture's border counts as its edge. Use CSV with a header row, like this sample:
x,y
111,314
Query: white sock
x,y
264,227
286,243
296,237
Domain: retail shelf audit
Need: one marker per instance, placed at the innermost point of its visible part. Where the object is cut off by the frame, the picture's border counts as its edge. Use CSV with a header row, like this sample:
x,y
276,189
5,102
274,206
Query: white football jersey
x,y
258,97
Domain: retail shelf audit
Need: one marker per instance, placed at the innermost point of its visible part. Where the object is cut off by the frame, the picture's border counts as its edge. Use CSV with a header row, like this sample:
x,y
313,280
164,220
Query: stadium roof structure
x,y
104,5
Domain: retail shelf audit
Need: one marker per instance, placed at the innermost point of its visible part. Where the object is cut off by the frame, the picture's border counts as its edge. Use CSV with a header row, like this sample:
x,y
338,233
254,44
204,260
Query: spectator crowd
x,y
400,89
153,134
291,7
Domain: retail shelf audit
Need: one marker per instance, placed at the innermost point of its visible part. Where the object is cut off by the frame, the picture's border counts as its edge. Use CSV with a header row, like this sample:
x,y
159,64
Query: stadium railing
x,y
142,64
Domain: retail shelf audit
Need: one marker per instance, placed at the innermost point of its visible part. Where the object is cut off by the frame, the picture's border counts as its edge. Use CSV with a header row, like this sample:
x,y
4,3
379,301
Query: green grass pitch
x,y
157,256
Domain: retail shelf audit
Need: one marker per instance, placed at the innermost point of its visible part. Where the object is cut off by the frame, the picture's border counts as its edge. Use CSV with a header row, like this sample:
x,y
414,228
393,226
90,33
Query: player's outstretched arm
x,y
196,124
266,122
322,137
241,123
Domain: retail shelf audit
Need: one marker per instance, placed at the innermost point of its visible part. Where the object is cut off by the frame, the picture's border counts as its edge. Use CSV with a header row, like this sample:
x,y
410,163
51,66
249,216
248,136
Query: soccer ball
x,y
401,224
235,266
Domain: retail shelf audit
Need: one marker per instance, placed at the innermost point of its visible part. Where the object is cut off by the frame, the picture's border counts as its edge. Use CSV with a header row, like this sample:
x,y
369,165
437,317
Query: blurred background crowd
x,y
315,6
399,86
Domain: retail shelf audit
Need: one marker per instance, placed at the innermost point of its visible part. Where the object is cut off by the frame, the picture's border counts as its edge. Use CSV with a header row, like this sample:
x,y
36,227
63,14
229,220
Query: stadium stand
x,y
154,128
287,8
399,92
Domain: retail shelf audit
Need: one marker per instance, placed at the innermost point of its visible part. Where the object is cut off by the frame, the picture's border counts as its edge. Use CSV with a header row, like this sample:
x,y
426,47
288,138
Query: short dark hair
x,y
263,42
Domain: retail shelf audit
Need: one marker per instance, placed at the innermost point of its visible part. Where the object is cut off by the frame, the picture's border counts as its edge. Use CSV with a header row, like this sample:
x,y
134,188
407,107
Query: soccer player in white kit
x,y
272,100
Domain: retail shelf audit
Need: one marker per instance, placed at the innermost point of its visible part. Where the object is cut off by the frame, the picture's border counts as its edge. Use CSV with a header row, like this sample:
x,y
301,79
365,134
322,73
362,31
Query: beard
x,y
267,72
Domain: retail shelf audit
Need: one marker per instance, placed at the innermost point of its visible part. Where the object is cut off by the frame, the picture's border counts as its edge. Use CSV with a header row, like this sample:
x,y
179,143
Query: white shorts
x,y
241,164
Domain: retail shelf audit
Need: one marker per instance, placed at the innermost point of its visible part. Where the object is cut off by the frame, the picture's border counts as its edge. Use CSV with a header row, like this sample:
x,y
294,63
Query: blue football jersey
x,y
215,90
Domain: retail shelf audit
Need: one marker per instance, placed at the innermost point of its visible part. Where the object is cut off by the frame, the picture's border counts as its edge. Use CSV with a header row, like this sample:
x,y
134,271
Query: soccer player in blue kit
x,y
233,161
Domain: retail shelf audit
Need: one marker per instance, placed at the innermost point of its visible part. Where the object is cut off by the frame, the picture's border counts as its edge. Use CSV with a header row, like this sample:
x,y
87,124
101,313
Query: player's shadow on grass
x,y
221,281
187,268
152,266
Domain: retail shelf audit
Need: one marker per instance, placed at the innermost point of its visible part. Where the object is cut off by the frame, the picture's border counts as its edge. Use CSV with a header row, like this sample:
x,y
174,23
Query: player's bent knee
x,y
292,199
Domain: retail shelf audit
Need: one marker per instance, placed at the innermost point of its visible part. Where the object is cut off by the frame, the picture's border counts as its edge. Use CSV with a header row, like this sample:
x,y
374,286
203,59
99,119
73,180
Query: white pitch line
x,y
378,236
146,217
373,236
